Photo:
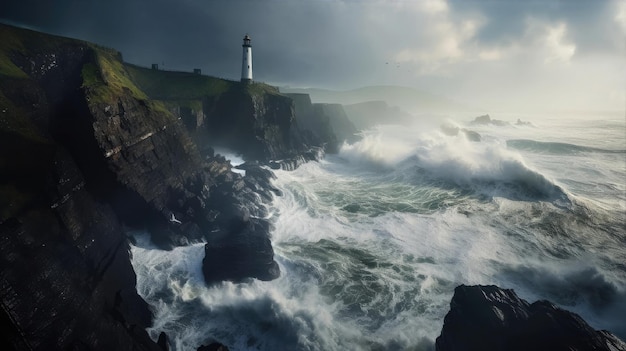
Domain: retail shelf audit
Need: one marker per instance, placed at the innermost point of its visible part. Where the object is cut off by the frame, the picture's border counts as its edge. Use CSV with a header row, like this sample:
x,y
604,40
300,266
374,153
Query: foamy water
x,y
371,242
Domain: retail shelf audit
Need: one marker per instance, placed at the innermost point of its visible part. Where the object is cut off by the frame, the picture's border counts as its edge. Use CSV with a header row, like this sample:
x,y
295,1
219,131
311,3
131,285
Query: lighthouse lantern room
x,y
246,64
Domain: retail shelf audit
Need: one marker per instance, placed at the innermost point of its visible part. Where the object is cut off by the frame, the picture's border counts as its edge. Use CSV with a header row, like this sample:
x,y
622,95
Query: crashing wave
x,y
555,148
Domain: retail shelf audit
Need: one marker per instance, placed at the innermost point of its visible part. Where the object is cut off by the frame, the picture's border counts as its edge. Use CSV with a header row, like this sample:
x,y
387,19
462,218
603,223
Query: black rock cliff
x,y
85,152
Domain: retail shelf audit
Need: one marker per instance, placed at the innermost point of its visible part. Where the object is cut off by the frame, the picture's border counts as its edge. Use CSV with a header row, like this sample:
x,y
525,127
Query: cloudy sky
x,y
498,54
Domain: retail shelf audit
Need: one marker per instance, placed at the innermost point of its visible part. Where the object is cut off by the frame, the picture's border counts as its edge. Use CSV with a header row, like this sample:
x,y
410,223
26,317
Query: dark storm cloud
x,y
292,40
445,46
313,41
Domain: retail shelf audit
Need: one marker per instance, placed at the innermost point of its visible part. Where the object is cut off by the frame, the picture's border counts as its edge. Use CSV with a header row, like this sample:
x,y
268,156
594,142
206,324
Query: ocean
x,y
372,241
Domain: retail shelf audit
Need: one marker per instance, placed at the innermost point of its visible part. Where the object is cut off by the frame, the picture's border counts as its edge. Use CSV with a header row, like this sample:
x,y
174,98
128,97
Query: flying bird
x,y
173,219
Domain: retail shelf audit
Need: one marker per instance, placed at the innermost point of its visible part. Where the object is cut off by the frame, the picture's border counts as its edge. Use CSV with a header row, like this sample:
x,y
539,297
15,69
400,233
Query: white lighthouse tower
x,y
246,64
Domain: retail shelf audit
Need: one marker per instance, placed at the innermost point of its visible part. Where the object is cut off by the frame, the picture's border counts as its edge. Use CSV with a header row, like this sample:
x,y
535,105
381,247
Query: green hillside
x,y
170,85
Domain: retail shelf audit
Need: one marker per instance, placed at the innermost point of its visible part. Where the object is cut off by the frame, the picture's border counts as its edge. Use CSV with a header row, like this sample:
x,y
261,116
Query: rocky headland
x,y
91,146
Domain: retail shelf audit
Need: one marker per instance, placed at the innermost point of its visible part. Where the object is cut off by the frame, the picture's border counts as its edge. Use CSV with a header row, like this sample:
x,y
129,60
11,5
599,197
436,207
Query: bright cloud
x,y
558,48
620,15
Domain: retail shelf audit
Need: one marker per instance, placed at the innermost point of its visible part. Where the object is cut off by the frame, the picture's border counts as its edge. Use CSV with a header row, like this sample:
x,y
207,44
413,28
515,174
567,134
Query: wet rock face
x,y
246,252
240,248
490,318
66,280
260,126
263,128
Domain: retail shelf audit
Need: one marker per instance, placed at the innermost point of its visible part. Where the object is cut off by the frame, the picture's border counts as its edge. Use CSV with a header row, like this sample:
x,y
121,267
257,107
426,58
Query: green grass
x,y
107,77
261,89
168,85
8,68
10,42
15,40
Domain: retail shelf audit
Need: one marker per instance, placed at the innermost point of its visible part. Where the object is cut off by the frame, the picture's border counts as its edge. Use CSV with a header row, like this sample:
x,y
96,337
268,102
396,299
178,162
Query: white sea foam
x,y
452,158
372,242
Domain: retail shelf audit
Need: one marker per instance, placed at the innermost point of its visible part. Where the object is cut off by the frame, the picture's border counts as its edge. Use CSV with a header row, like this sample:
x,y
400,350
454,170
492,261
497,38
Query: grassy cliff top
x,y
107,75
170,85
173,85
255,88
15,40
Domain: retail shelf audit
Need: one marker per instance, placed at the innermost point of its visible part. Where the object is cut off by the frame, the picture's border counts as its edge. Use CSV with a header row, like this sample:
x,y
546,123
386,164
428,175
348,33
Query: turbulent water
x,y
372,241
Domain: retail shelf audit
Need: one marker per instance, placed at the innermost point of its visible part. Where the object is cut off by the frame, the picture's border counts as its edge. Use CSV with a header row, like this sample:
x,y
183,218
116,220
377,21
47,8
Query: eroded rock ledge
x,y
491,318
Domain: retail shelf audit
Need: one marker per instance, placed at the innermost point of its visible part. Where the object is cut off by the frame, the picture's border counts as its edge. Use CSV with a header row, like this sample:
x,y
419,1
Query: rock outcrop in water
x,y
452,130
86,152
487,120
491,318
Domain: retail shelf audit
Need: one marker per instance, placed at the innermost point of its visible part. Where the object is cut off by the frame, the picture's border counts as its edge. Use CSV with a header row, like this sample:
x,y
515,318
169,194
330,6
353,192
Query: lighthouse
x,y
246,63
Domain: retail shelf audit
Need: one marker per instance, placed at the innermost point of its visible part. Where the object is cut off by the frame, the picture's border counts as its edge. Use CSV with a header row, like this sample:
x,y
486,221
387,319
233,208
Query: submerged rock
x,y
491,318
486,120
522,123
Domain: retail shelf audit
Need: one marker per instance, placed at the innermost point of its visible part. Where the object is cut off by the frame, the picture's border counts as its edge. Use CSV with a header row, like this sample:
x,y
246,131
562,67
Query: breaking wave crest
x,y
486,168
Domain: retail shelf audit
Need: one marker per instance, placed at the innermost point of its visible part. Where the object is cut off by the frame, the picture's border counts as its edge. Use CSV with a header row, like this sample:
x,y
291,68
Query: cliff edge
x,y
86,153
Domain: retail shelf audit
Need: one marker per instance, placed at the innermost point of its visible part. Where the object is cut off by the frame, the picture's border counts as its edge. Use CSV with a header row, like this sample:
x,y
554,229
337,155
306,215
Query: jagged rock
x,y
255,121
244,251
66,277
162,342
490,318
486,120
483,119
